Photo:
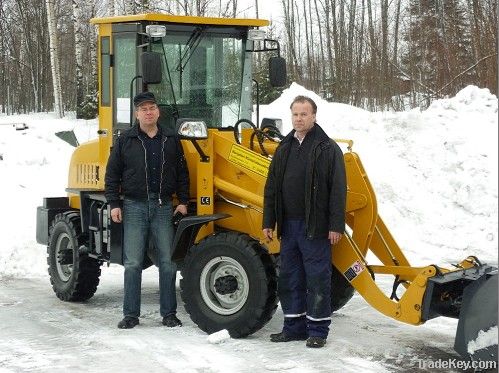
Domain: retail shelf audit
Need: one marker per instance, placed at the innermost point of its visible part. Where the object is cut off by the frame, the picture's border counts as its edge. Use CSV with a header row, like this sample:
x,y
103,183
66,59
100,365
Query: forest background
x,y
374,54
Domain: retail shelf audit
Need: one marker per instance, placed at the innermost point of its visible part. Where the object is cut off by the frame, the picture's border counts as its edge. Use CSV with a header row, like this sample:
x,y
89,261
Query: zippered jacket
x,y
126,171
325,187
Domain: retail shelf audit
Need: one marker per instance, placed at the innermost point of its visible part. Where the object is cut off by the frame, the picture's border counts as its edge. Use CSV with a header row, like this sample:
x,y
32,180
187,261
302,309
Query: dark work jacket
x,y
126,171
325,187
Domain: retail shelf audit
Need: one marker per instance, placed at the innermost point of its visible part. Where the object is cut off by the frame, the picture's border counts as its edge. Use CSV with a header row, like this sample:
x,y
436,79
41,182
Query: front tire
x,y
74,276
229,282
341,290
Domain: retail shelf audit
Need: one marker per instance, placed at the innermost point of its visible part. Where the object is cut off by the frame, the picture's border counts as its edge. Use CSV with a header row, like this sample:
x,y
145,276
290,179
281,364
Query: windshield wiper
x,y
191,46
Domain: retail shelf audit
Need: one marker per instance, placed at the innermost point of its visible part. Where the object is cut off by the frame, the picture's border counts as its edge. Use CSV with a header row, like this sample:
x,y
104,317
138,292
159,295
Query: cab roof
x,y
168,18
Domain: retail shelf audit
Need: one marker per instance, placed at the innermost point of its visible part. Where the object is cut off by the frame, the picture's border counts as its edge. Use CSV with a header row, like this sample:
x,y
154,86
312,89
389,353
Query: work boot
x,y
316,342
281,337
171,321
128,322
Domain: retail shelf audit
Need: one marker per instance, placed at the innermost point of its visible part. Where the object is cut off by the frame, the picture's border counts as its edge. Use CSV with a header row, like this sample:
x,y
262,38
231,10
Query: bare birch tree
x,y
54,58
111,8
78,47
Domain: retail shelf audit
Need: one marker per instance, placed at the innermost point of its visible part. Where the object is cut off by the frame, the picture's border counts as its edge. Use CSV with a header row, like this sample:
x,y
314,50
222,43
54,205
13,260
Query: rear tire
x,y
229,282
341,290
74,276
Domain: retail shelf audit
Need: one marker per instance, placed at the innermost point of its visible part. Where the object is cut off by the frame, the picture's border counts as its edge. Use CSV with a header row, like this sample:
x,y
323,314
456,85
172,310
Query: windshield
x,y
210,77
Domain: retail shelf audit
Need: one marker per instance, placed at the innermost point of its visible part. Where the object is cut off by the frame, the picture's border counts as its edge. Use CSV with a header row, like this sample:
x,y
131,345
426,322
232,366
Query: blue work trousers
x,y
143,220
304,285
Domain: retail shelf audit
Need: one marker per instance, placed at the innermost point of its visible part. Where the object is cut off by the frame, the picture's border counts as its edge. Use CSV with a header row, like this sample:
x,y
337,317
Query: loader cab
x,y
207,75
205,68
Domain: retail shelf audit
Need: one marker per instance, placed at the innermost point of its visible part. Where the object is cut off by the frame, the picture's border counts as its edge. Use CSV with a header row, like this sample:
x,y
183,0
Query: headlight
x,y
192,129
155,31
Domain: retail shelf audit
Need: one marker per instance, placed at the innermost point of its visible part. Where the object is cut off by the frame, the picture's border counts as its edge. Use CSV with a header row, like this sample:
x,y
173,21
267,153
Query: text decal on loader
x,y
249,160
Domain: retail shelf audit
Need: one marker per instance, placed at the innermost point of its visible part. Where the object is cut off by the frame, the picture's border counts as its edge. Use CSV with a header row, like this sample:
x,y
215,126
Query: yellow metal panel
x,y
83,167
167,18
407,310
362,221
409,272
205,200
105,112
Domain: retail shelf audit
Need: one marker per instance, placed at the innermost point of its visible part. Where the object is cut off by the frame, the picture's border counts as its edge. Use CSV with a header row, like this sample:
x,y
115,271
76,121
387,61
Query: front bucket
x,y
476,336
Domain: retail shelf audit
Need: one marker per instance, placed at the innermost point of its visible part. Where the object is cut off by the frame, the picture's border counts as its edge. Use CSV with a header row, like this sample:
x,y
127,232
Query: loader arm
x,y
418,293
237,185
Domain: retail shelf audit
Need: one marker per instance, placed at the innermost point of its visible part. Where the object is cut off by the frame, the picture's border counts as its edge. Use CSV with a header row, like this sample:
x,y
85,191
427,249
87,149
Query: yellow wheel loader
x,y
201,73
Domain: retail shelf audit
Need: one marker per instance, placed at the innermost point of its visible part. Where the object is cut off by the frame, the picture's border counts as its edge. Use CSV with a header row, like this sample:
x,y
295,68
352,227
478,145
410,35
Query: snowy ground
x,y
435,175
39,333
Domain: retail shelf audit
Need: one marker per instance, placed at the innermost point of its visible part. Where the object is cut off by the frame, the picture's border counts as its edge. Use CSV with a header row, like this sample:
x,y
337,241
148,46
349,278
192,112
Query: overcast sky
x,y
268,9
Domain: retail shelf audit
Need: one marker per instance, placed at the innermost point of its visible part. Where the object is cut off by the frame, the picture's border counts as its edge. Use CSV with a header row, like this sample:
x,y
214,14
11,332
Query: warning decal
x,y
250,160
355,269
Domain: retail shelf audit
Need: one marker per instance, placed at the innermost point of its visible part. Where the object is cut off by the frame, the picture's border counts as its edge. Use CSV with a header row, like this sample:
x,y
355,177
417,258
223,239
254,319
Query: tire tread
x,y
86,270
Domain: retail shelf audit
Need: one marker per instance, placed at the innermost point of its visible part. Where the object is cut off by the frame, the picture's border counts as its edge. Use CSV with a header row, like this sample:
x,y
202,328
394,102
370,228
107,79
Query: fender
x,y
187,230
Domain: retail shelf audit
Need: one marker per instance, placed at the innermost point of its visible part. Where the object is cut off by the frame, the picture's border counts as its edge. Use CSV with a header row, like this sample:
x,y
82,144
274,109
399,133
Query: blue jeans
x,y
304,284
143,220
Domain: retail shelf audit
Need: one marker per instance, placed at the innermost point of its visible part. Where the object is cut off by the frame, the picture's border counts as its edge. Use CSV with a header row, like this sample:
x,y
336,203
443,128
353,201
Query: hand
x,y
182,209
116,215
334,237
268,233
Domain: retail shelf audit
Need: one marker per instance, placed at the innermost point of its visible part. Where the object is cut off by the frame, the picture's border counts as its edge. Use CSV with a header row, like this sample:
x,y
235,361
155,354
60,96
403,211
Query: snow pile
x,y
483,340
469,99
434,173
34,165
219,337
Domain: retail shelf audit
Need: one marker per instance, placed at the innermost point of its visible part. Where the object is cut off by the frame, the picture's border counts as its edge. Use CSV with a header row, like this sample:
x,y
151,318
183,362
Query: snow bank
x,y
434,173
483,340
34,165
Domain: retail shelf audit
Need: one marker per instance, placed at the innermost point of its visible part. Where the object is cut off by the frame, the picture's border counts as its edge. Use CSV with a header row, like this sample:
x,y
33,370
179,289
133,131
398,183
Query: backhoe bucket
x,y
476,336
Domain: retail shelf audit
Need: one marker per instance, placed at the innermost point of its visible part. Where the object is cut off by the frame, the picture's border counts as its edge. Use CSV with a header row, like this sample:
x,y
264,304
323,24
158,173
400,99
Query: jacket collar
x,y
134,131
316,131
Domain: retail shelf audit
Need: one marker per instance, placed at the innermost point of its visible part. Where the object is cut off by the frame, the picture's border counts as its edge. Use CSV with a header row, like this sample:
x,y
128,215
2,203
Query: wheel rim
x,y
230,297
62,245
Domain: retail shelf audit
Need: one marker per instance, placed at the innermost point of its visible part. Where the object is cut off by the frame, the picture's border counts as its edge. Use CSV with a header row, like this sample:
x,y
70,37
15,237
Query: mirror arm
x,y
131,98
257,102
203,157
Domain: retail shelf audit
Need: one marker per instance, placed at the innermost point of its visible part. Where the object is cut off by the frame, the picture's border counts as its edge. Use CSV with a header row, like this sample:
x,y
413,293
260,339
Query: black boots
x,y
128,322
171,321
281,337
313,342
316,342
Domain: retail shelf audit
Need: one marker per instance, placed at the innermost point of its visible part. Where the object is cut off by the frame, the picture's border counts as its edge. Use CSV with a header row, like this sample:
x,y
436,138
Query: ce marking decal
x,y
205,200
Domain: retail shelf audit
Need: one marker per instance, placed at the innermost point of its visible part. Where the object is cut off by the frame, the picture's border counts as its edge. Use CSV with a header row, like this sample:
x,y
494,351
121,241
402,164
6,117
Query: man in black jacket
x,y
305,195
147,166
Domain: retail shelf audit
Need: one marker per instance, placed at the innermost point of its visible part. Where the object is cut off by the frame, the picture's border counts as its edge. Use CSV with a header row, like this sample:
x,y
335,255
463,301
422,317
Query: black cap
x,y
144,97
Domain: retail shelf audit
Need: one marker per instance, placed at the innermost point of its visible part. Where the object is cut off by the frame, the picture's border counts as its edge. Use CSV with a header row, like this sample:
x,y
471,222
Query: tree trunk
x,y
110,8
307,42
54,58
322,62
329,48
79,42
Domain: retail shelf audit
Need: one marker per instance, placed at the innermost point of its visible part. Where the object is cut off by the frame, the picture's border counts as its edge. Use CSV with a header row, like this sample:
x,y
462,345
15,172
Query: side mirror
x,y
151,68
277,71
191,129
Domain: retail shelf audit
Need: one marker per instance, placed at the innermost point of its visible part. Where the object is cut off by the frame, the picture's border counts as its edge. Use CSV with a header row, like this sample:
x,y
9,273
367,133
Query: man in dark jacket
x,y
147,166
305,196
